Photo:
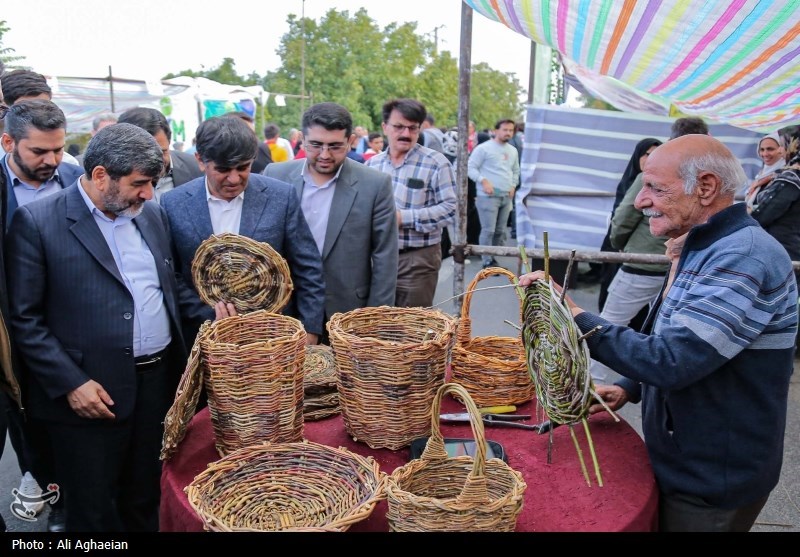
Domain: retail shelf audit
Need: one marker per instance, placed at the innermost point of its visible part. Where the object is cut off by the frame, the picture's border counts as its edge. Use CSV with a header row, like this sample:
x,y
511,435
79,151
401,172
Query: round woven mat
x,y
249,274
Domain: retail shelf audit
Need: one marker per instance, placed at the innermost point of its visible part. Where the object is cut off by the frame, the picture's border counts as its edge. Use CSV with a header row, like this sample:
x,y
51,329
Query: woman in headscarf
x,y
770,151
606,271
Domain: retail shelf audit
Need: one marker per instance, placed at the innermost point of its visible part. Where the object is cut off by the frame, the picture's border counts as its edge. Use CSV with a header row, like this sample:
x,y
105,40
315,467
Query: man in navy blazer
x,y
34,137
230,199
95,314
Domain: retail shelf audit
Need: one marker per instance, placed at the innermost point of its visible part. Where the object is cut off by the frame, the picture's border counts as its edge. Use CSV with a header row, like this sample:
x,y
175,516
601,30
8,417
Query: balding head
x,y
686,181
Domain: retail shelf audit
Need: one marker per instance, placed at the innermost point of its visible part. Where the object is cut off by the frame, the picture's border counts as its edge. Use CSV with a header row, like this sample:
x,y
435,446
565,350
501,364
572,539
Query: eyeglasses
x,y
333,148
413,128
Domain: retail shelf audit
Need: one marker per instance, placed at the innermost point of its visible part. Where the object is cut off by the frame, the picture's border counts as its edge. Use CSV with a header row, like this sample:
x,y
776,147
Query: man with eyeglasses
x,y
231,199
350,210
425,199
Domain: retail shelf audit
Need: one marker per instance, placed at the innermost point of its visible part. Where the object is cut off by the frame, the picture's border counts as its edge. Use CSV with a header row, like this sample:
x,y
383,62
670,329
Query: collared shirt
x,y
151,329
226,216
424,193
25,193
316,204
674,250
165,183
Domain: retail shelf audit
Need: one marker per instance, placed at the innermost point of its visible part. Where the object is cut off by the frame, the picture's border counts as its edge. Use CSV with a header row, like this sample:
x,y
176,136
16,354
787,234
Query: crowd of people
x,y
99,308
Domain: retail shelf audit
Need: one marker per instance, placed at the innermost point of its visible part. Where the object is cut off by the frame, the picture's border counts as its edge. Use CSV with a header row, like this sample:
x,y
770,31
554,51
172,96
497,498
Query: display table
x,y
557,498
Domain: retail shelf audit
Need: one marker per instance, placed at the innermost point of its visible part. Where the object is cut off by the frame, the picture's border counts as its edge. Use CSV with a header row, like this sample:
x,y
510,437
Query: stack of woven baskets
x,y
321,398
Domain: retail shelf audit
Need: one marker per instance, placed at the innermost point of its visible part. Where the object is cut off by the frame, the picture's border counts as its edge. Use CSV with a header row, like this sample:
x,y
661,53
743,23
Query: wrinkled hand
x,y
312,339
91,400
529,278
614,396
223,310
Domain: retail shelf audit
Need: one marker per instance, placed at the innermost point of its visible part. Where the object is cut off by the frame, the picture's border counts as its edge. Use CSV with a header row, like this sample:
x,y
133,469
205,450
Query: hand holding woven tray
x,y
250,275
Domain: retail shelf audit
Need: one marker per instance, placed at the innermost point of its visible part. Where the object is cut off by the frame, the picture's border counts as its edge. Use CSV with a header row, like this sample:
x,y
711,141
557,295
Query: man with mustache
x,y
425,196
712,364
94,312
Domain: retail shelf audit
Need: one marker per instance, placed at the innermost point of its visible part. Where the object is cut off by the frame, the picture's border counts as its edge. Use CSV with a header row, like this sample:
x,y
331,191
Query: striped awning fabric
x,y
734,61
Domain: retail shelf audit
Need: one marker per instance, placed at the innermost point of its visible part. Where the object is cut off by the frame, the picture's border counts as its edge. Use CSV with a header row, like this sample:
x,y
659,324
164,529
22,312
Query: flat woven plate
x,y
249,274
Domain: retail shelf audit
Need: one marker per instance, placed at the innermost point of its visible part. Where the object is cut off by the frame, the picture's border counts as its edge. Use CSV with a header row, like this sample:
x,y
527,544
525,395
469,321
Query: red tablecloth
x,y
557,498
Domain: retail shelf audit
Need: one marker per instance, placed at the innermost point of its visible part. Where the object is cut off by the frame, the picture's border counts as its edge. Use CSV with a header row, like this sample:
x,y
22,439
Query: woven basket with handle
x,y
391,360
455,494
493,369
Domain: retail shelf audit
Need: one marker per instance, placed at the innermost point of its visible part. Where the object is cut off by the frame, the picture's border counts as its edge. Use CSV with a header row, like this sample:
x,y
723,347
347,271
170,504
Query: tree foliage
x,y
350,60
6,52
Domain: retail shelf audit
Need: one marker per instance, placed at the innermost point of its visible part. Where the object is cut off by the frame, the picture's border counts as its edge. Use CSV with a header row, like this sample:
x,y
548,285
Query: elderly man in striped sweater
x,y
712,364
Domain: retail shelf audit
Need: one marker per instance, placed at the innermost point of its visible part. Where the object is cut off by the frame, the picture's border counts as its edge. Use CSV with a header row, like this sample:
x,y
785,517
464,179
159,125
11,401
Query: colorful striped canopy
x,y
734,61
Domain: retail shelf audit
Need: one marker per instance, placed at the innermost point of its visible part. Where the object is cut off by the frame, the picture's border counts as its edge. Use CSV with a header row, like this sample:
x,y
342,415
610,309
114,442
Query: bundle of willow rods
x,y
558,360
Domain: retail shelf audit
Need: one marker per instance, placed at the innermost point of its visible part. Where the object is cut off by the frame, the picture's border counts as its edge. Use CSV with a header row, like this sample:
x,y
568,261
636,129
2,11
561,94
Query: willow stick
x,y
597,473
580,455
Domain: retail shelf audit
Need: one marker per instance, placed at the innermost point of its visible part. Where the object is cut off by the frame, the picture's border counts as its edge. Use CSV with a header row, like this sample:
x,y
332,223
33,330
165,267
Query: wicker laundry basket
x,y
458,494
254,378
492,368
391,361
300,486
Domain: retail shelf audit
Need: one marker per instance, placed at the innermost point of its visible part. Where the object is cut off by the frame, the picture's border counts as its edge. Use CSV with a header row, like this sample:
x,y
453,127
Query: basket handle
x,y
475,487
464,333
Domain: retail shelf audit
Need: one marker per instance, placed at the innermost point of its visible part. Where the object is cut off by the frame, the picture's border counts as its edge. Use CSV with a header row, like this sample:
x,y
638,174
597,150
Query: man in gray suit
x,y
179,167
230,199
94,311
350,210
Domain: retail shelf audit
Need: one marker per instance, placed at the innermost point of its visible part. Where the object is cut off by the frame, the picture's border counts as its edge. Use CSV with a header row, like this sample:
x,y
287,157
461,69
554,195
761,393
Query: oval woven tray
x,y
249,274
300,486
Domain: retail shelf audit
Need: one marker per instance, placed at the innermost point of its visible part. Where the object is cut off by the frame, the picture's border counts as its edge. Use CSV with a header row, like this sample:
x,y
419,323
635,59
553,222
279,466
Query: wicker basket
x,y
287,486
249,274
458,494
493,369
185,404
391,361
254,379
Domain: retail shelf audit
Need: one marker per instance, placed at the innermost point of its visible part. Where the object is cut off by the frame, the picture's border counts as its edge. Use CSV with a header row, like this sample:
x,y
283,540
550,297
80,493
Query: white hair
x,y
726,167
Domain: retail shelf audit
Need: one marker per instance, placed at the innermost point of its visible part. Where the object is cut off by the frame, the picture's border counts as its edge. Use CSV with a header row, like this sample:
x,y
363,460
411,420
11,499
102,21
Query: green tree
x,y
6,52
494,95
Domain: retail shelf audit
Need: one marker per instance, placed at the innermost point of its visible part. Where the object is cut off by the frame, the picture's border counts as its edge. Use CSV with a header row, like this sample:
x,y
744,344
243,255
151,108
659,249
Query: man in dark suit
x,y
230,199
94,313
350,210
179,167
34,137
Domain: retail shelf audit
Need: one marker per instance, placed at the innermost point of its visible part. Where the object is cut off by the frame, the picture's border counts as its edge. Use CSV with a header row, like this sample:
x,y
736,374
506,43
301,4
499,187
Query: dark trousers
x,y
110,470
680,512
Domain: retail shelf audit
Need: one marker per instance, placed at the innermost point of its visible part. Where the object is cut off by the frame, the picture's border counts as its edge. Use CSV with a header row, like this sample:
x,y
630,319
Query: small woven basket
x,y
493,369
391,360
458,494
254,379
236,269
301,486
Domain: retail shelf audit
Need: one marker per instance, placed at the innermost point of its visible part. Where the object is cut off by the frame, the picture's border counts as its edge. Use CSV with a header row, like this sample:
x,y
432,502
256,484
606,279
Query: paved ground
x,y
489,310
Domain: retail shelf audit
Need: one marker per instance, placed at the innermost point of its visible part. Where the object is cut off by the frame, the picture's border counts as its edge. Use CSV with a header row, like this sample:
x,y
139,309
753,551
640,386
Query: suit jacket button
x,y
128,351
127,315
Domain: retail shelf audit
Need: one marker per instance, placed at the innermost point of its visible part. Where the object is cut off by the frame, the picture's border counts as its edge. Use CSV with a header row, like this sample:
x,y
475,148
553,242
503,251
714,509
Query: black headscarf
x,y
633,169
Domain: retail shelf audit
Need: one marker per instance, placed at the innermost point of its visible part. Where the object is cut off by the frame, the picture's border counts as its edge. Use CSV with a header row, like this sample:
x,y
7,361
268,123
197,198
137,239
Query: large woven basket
x,y
391,361
236,269
493,369
254,379
457,494
301,486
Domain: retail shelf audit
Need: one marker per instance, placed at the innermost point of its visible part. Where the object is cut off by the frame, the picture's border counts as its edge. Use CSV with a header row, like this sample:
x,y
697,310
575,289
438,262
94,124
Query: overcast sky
x,y
145,39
